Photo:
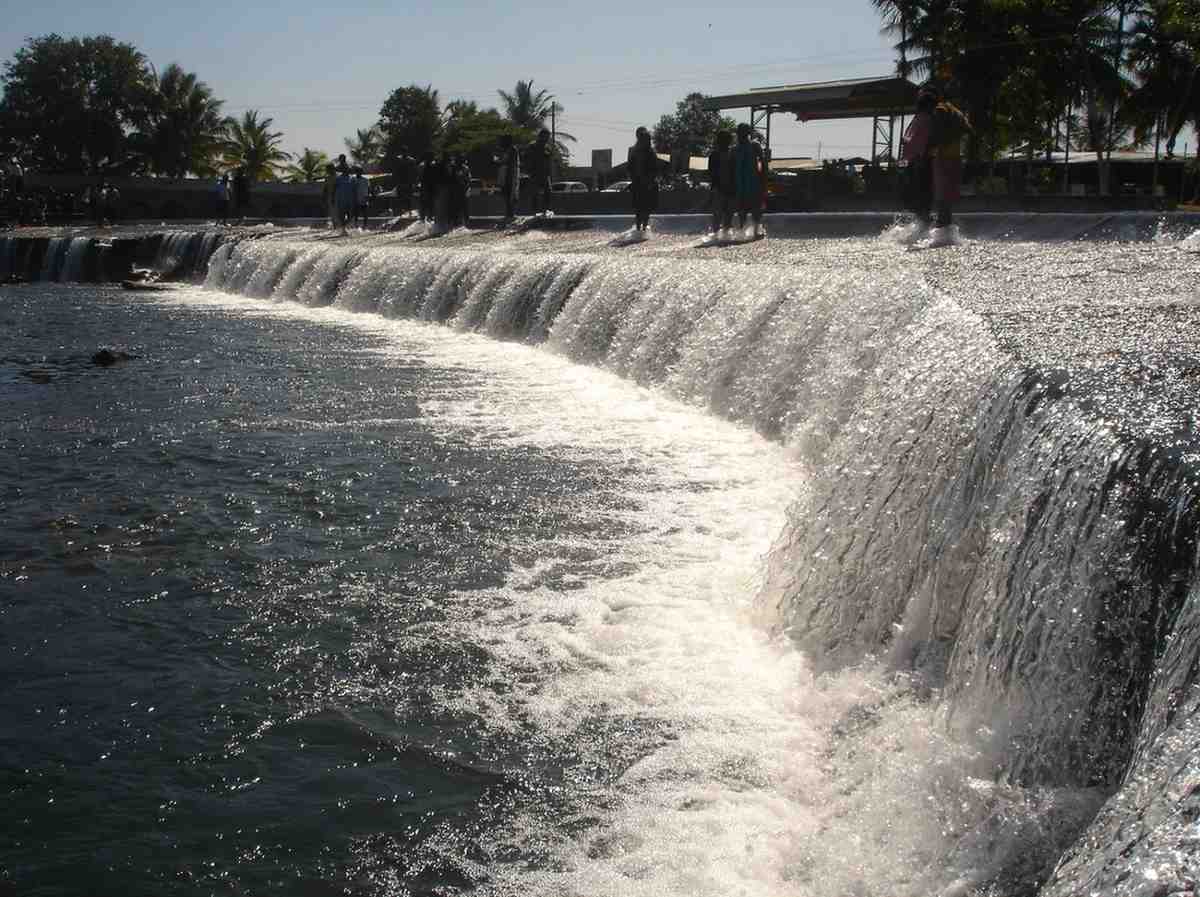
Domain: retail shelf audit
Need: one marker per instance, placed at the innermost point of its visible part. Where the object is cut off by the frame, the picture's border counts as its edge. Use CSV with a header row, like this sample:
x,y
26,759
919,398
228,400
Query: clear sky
x,y
323,70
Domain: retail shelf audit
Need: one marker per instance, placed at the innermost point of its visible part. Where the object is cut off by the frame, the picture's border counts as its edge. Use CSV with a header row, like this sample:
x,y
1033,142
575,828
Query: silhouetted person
x,y
749,177
344,196
539,159
914,149
110,200
946,131
428,187
508,175
720,174
459,185
221,198
643,179
328,194
404,167
443,193
362,197
241,192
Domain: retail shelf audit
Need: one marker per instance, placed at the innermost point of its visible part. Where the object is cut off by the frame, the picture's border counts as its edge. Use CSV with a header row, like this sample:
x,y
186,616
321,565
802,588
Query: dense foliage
x,y
690,129
1036,75
74,105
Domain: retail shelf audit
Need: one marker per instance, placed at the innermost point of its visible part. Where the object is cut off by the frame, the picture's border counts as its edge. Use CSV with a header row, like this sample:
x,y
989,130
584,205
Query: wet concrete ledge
x,y
1014,225
114,252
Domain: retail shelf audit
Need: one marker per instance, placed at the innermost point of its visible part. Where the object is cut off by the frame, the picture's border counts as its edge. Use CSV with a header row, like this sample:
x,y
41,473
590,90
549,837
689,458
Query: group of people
x,y
534,163
737,172
444,186
232,196
347,194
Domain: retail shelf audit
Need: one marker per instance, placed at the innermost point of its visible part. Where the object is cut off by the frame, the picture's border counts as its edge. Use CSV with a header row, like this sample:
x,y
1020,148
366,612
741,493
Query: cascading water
x,y
991,571
980,524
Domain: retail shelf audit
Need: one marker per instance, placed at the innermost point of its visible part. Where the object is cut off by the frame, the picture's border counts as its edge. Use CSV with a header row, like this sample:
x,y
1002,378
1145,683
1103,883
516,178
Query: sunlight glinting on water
x,y
744,789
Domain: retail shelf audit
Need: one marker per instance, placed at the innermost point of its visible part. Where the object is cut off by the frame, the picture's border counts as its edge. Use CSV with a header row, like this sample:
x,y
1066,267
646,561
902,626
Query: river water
x,y
303,600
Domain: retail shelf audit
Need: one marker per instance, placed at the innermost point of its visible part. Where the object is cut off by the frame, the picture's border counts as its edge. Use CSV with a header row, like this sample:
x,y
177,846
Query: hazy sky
x,y
321,71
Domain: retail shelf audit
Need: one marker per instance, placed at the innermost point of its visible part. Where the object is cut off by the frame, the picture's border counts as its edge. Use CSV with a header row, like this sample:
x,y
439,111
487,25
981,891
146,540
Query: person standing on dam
x,y
749,178
344,196
362,197
948,126
327,194
428,187
643,177
221,195
508,175
720,175
241,192
539,160
914,150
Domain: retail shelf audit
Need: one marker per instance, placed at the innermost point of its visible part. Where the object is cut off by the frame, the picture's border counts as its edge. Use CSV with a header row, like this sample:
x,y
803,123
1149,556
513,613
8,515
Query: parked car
x,y
617,187
568,187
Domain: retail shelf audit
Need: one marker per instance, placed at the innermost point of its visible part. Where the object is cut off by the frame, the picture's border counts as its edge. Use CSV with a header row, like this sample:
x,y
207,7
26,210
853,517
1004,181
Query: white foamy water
x,y
765,780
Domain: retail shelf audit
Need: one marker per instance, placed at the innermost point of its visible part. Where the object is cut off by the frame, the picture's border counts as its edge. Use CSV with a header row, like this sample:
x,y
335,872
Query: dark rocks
x,y
107,357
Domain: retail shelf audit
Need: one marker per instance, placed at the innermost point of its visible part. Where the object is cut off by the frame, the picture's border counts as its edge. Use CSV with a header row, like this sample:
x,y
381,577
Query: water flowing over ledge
x,y
1004,476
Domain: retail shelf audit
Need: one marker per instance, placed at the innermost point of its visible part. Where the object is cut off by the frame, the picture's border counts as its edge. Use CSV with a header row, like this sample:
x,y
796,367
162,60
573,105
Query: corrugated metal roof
x,y
818,100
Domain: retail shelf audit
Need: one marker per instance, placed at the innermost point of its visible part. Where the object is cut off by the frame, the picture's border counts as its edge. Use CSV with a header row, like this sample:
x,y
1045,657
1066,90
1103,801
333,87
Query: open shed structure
x,y
881,99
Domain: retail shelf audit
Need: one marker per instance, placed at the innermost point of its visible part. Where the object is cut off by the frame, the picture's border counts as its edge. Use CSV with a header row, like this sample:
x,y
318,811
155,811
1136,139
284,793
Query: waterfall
x,y
52,259
991,530
983,526
184,254
74,266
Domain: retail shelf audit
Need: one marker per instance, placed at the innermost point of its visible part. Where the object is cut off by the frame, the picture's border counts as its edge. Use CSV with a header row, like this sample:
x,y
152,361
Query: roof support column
x,y
883,137
760,118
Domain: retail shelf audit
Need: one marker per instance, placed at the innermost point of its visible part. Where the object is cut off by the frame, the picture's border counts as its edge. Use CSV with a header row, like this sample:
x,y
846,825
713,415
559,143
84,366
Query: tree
x,y
252,146
309,167
366,146
186,129
475,134
410,122
1165,54
690,129
72,105
530,111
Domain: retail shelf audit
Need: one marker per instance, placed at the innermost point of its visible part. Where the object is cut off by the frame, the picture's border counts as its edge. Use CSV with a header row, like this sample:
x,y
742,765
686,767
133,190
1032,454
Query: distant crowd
x,y
440,186
21,205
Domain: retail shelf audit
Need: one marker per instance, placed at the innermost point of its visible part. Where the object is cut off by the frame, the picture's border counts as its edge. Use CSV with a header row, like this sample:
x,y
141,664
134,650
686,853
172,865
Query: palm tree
x,y
309,167
187,129
366,146
252,146
1163,52
529,110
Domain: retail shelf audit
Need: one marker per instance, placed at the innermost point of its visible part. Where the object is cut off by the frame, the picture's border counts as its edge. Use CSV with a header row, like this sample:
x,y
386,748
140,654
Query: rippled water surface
x,y
301,600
